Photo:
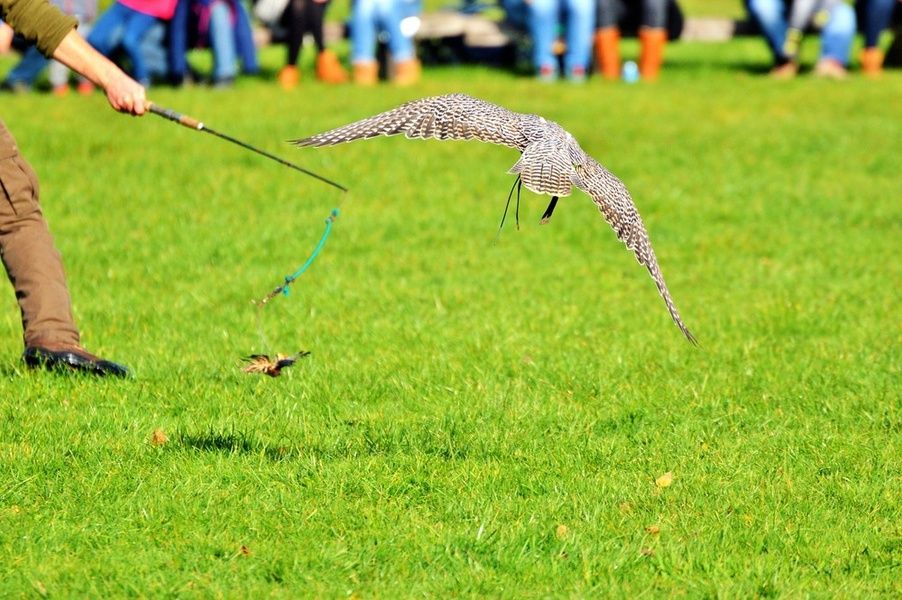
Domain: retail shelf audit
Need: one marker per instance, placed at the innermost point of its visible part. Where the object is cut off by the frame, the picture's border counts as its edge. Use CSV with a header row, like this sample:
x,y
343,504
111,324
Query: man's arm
x,y
55,35
124,93
6,37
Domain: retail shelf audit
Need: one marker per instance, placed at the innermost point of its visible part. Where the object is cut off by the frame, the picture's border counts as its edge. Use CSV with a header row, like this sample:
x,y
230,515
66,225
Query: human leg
x,y
107,31
363,31
244,40
315,16
136,26
28,68
607,39
838,34
363,42
652,38
222,43
297,15
389,16
580,25
543,27
289,75
178,44
877,15
35,269
33,264
770,16
328,67
405,68
654,14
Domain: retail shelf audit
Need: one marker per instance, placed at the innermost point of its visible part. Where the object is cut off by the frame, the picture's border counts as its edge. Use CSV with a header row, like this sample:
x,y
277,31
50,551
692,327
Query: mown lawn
x,y
475,419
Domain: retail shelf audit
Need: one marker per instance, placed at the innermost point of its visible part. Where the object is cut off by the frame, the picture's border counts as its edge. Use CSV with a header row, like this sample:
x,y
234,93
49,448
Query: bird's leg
x,y
549,210
507,206
517,209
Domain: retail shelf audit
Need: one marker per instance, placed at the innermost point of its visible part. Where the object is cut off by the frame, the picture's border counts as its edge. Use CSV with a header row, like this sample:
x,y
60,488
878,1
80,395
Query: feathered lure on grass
x,y
262,363
551,162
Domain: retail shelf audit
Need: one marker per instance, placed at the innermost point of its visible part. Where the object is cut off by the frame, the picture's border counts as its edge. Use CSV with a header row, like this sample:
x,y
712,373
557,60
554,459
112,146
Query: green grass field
x,y
475,419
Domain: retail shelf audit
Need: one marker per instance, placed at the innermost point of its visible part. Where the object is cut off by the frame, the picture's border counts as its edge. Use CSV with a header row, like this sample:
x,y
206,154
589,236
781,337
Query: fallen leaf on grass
x,y
245,551
625,508
262,363
562,532
158,437
653,529
664,480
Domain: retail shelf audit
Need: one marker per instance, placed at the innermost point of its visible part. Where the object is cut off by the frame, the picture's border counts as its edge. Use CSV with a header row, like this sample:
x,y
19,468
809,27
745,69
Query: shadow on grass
x,y
229,443
445,439
351,439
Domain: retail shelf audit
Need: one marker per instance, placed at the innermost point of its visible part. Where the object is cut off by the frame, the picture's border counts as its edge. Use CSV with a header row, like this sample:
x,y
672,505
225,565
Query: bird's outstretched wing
x,y
448,117
615,203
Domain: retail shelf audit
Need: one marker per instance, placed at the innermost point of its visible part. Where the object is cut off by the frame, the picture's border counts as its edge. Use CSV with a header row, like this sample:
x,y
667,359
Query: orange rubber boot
x,y
329,69
607,52
289,77
407,72
871,62
652,41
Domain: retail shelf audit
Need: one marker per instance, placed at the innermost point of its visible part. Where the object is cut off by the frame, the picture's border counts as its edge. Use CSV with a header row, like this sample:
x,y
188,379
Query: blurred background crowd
x,y
391,39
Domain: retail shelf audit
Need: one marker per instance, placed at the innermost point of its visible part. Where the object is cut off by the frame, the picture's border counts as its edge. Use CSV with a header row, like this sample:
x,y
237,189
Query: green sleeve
x,y
38,21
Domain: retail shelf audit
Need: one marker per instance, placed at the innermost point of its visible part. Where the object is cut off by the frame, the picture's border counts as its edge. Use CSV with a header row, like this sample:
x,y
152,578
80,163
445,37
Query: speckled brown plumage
x,y
551,161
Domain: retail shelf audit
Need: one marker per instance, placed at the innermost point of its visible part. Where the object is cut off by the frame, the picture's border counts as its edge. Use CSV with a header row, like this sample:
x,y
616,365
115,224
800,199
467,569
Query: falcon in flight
x,y
551,161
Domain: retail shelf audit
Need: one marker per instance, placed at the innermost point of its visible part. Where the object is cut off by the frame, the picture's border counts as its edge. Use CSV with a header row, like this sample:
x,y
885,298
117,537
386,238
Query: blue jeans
x,y
28,68
836,37
120,25
877,15
222,42
544,19
367,18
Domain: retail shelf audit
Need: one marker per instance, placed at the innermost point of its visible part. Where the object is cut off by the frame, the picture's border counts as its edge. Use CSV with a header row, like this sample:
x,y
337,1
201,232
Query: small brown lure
x,y
262,363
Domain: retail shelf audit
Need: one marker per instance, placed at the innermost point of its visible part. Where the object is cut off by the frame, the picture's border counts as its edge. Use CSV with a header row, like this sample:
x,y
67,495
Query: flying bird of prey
x,y
551,161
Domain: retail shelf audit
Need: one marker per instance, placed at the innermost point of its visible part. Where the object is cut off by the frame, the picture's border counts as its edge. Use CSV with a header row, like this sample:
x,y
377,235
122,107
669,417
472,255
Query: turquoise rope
x,y
322,242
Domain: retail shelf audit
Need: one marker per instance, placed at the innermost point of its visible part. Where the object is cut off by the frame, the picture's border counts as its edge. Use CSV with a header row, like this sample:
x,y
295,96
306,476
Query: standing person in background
x,y
305,16
652,38
805,14
223,26
367,18
29,67
876,16
545,16
32,263
836,38
125,23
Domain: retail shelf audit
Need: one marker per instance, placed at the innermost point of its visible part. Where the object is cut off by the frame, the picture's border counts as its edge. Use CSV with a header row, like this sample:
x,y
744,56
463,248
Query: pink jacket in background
x,y
162,9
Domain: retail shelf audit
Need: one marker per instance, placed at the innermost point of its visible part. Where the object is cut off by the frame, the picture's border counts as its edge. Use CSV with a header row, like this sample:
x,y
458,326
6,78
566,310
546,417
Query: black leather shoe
x,y
72,358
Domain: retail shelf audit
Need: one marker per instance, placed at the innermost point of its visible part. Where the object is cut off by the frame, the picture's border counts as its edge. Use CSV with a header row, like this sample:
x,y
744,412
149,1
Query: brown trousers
x,y
33,264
